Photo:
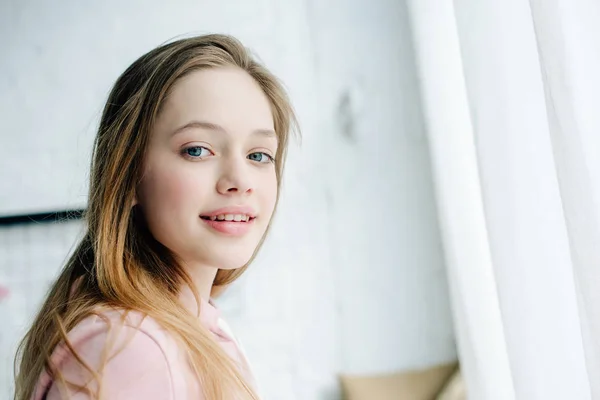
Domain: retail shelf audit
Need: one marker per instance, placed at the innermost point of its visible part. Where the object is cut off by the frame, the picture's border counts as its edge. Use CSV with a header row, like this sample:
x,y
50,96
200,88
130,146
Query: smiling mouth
x,y
232,225
228,218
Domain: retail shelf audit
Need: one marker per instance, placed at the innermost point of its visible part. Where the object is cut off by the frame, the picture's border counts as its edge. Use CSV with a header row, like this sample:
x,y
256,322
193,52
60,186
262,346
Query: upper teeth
x,y
231,217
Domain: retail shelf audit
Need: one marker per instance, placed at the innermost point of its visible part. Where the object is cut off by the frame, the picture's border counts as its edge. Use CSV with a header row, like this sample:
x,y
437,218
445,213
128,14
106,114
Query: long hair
x,y
118,263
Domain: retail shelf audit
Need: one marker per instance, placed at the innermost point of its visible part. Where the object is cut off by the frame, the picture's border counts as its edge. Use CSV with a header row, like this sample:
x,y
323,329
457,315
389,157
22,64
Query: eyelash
x,y
269,157
185,153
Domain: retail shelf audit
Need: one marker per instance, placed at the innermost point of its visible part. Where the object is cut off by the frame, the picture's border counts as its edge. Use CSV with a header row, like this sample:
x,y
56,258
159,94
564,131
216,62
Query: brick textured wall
x,y
351,279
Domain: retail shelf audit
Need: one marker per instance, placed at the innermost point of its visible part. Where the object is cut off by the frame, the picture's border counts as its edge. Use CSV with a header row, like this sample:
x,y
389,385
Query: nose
x,y
234,179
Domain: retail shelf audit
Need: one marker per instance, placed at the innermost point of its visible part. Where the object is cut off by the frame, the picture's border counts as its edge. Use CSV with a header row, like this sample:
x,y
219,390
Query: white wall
x,y
351,279
387,255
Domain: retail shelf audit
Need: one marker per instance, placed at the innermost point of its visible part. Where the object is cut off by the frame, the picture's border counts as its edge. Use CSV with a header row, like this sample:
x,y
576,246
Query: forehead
x,y
229,97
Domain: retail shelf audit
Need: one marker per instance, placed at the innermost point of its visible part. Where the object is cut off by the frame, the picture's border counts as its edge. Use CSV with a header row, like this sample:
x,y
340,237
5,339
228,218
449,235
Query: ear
x,y
134,202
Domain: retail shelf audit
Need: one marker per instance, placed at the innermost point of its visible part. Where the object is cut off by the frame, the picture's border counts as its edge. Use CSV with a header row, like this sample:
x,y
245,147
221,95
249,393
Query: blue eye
x,y
261,157
197,152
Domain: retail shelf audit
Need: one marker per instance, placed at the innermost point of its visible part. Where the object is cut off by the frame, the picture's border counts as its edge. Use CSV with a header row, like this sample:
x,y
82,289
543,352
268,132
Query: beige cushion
x,y
455,388
411,385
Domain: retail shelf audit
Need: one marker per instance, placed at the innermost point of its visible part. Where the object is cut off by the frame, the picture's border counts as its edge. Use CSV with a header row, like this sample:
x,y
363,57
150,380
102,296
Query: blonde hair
x,y
118,263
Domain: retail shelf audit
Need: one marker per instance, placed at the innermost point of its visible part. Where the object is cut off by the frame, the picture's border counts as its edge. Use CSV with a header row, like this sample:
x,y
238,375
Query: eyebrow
x,y
214,127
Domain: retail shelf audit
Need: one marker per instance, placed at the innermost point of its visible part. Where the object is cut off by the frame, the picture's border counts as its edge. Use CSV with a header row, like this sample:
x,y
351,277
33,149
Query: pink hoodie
x,y
146,362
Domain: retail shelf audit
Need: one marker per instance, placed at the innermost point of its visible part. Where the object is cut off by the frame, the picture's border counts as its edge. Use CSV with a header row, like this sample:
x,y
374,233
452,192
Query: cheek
x,y
171,191
270,193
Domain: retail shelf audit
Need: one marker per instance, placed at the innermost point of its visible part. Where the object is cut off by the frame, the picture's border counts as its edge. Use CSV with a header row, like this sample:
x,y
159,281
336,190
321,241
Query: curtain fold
x,y
568,36
510,94
475,305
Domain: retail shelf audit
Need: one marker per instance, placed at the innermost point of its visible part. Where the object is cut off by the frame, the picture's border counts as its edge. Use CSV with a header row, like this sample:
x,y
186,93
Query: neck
x,y
202,279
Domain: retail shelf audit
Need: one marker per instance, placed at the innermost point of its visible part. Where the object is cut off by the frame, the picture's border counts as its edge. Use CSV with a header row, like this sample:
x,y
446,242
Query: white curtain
x,y
511,97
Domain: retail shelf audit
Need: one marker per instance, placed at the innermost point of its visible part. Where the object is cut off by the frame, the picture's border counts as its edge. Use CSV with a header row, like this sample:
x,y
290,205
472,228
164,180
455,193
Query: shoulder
x,y
112,331
129,354
119,325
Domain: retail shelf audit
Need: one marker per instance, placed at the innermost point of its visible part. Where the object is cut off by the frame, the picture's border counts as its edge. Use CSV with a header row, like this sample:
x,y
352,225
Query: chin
x,y
229,253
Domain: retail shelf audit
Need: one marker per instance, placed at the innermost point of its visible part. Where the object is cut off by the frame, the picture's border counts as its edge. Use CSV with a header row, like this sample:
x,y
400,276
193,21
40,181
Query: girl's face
x,y
209,186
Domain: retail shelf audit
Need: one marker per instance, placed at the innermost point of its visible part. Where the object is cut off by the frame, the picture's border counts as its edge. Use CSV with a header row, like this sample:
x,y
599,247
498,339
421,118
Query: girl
x,y
185,177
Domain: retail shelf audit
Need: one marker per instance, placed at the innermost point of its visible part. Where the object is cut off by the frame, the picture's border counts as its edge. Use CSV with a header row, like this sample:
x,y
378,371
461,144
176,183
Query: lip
x,y
230,228
231,210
